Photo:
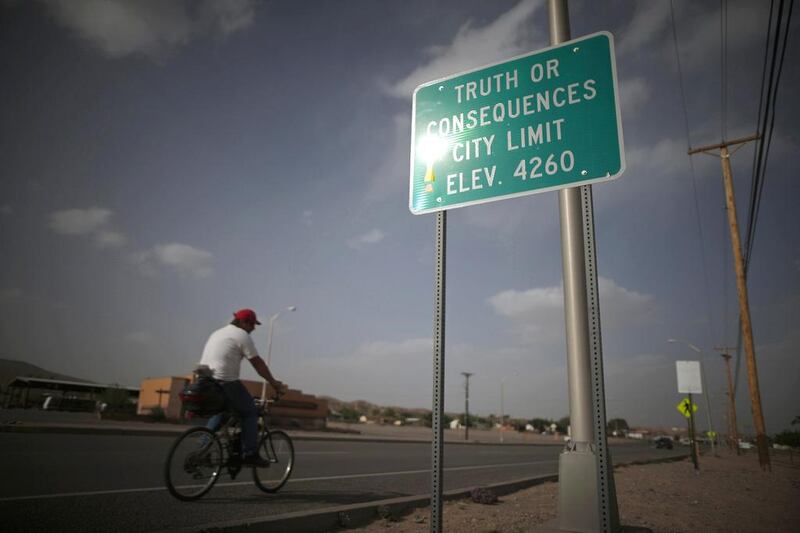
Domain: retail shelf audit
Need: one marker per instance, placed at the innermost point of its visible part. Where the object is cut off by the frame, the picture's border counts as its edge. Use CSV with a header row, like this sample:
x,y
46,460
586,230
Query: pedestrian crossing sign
x,y
687,407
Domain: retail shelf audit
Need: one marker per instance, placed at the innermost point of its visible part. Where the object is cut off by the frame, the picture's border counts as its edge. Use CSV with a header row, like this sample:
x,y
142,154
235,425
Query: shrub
x,y
788,438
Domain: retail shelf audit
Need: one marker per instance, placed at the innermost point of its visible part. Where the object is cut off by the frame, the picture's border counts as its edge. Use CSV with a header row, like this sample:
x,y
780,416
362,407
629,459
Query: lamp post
x,y
272,320
707,392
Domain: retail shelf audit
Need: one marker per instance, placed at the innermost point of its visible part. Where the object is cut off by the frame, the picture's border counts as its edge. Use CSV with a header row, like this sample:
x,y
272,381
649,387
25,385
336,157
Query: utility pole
x,y
733,431
466,405
741,285
502,409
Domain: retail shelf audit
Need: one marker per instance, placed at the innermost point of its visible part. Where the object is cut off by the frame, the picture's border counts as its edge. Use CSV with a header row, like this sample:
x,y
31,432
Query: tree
x,y
541,424
349,414
562,424
116,399
788,438
427,419
617,424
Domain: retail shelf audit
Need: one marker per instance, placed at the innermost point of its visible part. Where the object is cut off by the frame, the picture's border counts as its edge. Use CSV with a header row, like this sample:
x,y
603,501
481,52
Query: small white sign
x,y
689,381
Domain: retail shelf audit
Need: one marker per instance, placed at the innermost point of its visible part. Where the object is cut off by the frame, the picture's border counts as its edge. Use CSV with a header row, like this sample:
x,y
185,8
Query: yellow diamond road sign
x,y
685,406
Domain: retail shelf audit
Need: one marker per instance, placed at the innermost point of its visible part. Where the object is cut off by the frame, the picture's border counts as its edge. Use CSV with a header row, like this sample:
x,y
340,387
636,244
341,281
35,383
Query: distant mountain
x,y
371,409
10,369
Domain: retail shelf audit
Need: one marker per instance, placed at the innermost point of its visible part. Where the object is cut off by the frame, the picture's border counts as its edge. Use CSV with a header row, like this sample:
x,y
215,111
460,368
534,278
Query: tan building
x,y
294,409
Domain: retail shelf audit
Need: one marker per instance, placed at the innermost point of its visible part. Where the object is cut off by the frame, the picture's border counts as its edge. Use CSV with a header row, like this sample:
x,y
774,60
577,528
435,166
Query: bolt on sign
x,y
538,122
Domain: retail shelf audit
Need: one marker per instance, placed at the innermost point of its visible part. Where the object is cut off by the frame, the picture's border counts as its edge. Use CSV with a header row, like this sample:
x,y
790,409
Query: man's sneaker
x,y
255,460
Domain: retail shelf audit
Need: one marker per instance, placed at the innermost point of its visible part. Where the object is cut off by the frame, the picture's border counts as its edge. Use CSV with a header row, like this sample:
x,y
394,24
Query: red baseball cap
x,y
246,315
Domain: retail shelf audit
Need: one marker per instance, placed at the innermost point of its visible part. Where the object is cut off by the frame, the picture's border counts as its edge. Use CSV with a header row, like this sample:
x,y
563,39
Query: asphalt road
x,y
61,482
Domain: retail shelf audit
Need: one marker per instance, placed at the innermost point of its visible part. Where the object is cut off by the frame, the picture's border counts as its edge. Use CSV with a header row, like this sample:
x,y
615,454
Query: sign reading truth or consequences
x,y
689,378
687,408
543,121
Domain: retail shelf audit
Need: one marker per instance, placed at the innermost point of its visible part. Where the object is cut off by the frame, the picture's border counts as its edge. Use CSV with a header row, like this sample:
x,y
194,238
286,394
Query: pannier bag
x,y
203,398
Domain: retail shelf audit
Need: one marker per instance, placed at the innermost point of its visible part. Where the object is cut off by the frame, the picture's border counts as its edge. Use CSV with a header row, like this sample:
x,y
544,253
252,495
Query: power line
x,y
691,162
757,153
767,121
723,67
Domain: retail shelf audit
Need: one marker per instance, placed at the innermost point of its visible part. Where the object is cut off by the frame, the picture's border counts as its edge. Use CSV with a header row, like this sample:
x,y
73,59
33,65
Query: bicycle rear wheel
x,y
277,448
193,464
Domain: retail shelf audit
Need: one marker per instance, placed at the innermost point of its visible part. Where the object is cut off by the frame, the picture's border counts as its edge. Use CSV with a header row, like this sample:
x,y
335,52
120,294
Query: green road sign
x,y
686,407
539,122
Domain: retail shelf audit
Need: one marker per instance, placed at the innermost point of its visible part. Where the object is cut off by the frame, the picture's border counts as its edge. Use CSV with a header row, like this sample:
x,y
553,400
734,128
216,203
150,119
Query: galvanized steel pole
x,y
437,412
587,497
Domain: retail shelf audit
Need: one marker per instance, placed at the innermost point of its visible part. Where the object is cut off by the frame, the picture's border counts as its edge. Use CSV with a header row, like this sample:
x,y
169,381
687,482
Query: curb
x,y
362,514
355,515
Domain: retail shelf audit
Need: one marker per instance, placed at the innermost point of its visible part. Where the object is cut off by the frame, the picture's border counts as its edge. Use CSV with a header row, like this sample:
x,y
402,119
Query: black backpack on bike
x,y
203,398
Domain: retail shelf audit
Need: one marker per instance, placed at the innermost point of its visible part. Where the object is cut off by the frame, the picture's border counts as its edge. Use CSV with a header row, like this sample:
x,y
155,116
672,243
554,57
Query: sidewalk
x,y
37,421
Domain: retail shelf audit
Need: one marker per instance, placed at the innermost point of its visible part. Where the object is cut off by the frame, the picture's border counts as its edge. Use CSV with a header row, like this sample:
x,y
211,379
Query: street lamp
x,y
272,320
705,388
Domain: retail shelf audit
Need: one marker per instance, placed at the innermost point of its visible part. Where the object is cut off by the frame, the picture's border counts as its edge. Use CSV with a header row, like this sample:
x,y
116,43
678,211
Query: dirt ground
x,y
730,494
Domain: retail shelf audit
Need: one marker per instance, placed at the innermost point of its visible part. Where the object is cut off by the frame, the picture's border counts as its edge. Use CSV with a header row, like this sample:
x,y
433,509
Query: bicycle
x,y
198,457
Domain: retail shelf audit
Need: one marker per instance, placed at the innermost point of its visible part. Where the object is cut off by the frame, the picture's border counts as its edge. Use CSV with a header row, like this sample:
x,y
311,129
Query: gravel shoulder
x,y
729,494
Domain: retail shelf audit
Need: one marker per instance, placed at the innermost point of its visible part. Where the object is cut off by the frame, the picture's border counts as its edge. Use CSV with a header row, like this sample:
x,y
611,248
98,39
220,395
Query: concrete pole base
x,y
578,498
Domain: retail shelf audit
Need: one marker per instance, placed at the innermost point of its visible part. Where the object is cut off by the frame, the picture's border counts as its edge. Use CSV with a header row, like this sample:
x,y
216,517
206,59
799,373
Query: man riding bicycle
x,y
223,354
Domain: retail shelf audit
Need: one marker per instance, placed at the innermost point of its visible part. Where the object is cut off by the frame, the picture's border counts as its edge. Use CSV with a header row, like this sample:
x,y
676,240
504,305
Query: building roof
x,y
58,384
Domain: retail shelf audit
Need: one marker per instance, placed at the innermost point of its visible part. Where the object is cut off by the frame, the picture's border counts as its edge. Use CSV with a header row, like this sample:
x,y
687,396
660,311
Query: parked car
x,y
744,445
663,442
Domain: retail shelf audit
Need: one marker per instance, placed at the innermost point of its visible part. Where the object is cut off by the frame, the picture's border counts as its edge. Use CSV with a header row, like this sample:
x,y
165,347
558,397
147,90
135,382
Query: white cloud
x,y
633,94
538,314
371,237
110,238
119,28
648,23
390,179
79,221
139,337
94,222
184,259
509,35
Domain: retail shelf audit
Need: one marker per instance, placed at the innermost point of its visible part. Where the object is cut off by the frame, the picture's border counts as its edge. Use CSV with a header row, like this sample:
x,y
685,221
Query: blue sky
x,y
165,163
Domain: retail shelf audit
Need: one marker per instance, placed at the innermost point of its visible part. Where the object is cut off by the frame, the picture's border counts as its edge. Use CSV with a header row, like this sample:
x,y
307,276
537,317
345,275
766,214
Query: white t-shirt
x,y
224,352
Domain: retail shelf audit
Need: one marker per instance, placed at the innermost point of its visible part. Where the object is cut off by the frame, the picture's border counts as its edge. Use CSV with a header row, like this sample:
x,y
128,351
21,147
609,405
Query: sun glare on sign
x,y
430,149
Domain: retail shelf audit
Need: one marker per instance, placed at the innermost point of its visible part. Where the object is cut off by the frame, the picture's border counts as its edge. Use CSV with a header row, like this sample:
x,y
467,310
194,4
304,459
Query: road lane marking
x,y
298,480
322,453
412,472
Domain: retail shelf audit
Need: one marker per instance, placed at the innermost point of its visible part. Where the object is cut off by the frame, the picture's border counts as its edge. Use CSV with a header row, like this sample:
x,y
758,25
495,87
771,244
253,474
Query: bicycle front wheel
x,y
277,448
193,464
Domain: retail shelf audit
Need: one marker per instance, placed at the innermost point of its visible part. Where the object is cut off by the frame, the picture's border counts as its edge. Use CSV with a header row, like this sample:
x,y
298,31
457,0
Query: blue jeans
x,y
238,399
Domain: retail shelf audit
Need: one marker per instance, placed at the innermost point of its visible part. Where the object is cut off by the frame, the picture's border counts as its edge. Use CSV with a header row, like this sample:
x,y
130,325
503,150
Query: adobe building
x,y
293,410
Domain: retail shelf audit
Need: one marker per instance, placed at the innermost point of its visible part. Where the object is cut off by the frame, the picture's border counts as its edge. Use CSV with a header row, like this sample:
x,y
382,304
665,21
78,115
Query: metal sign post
x,y
437,444
692,437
